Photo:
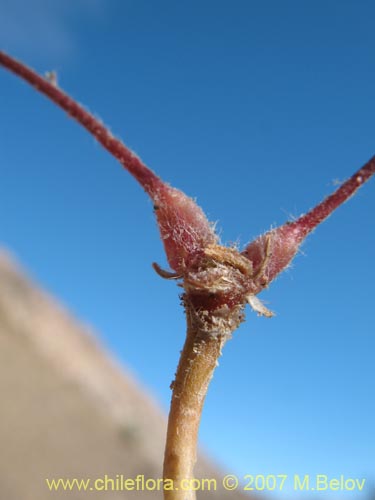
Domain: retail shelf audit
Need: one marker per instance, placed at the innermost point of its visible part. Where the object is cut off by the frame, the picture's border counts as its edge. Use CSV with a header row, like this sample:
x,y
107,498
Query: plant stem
x,y
145,176
218,281
198,361
173,209
306,223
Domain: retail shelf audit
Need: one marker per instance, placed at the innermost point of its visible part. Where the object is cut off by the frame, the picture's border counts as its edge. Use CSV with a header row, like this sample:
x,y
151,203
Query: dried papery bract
x,y
218,282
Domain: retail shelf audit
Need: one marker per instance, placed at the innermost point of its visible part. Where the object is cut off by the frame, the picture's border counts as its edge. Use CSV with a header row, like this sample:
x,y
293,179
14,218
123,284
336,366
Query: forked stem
x,y
217,286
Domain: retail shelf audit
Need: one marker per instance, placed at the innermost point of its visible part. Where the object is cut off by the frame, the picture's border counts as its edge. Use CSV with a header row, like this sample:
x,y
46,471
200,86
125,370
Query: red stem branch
x,y
272,252
146,177
307,222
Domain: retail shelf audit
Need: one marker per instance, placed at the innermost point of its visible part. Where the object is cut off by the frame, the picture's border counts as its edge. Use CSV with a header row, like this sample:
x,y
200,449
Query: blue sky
x,y
256,109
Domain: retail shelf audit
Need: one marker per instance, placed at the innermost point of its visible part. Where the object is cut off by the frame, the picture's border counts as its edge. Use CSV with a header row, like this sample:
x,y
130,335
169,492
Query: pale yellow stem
x,y
197,364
